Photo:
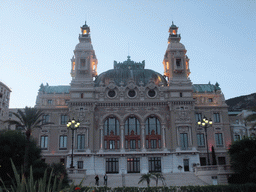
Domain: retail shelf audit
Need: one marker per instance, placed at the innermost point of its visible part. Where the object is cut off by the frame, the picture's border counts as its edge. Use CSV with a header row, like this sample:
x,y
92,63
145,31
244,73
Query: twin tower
x,y
84,62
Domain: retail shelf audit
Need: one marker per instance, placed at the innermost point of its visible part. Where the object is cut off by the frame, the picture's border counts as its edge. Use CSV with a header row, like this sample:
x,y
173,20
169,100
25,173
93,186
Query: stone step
x,y
116,180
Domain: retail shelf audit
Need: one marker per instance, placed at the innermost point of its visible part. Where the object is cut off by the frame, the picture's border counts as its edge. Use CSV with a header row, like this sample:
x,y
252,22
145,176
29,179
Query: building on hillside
x,y
132,119
239,127
4,105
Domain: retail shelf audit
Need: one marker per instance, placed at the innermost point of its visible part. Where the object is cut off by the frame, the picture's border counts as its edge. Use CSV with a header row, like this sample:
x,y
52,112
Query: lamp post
x,y
73,125
205,123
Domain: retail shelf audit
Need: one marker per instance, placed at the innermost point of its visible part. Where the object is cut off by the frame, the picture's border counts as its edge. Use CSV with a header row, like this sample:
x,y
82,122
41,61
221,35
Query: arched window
x,y
132,133
111,133
153,133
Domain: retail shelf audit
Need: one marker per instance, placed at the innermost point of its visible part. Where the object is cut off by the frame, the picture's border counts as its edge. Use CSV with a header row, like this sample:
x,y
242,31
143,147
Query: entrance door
x,y
186,164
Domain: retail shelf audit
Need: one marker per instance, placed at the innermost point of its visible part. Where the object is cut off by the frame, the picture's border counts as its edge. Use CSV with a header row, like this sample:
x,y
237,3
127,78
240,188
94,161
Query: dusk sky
x,y
37,39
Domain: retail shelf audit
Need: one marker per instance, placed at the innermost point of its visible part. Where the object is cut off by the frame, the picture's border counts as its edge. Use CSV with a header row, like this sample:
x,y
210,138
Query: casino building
x,y
132,119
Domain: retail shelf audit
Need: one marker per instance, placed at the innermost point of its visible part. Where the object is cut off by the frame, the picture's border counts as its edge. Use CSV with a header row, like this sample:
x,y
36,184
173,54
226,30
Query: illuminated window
x,y
73,65
173,32
133,165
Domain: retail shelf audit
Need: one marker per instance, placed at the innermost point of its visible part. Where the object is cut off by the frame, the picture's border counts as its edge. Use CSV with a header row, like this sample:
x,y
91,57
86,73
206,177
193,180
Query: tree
x,y
12,146
157,176
146,177
243,160
29,119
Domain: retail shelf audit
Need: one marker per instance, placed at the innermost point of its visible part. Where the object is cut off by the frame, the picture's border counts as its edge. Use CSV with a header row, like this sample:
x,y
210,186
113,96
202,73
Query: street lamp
x,y
205,123
73,125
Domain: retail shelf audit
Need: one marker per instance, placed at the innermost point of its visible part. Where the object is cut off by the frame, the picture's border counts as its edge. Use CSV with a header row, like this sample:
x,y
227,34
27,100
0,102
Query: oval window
x,y
111,93
131,93
151,93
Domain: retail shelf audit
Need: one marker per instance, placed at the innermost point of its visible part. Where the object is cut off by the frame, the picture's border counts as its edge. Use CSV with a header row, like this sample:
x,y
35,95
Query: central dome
x,y
129,70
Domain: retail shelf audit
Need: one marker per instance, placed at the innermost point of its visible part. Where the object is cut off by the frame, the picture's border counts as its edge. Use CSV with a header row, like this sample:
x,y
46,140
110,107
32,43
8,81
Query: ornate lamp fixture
x,y
205,123
73,125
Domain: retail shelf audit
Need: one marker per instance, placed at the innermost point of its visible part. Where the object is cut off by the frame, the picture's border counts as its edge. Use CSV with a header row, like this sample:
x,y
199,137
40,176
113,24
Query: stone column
x,y
87,139
143,137
101,138
163,137
122,137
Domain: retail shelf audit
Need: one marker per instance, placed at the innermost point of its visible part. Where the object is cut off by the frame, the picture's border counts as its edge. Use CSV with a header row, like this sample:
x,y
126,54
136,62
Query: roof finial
x,y
172,22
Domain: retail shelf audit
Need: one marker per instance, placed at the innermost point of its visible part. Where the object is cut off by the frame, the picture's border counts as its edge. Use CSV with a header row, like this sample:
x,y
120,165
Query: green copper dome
x,y
129,70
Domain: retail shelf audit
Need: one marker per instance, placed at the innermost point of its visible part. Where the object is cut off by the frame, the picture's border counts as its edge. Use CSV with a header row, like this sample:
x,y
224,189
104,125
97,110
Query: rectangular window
x,y
221,160
133,165
112,165
63,142
198,117
82,62
80,141
62,161
210,100
63,119
202,161
138,144
219,139
153,144
159,143
200,140
46,119
147,143
44,142
216,117
126,144
117,144
80,164
49,102
111,144
184,141
154,164
105,144
132,144
178,63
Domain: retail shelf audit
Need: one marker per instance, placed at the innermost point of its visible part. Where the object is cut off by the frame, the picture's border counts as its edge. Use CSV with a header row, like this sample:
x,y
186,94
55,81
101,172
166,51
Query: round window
x,y
131,93
111,93
151,93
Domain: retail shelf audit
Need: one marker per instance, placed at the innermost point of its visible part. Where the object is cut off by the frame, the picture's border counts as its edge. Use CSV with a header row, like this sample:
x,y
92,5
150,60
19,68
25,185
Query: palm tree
x,y
28,119
146,177
157,176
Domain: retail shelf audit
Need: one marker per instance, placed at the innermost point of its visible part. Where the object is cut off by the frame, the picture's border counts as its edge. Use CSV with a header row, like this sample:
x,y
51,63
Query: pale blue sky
x,y
37,39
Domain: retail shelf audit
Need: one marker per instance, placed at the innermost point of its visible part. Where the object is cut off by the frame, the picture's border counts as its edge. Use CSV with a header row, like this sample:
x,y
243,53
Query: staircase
x,y
131,180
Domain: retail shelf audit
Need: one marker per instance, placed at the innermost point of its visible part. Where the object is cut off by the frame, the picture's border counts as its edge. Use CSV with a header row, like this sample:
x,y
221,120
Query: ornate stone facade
x,y
4,104
132,119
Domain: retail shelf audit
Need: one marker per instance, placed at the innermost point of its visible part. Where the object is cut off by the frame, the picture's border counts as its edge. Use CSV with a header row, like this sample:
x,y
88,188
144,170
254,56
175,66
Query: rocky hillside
x,y
242,102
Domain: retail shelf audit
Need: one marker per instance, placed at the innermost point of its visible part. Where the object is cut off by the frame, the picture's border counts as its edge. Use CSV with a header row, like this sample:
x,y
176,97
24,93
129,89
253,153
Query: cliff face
x,y
242,103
